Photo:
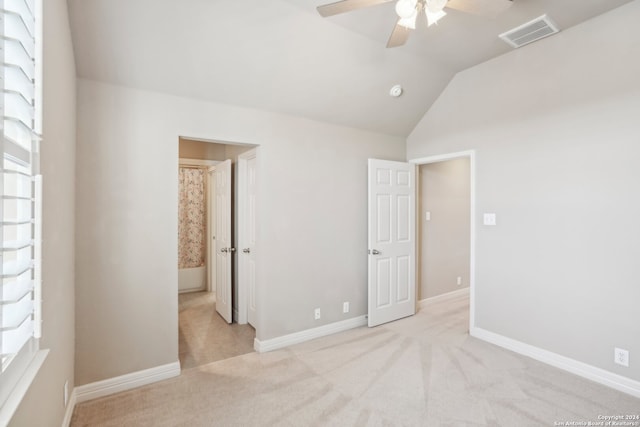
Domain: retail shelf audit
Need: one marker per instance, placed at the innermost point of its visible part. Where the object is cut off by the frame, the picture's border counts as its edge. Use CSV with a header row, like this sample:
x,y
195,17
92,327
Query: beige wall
x,y
445,238
189,149
43,404
311,209
555,128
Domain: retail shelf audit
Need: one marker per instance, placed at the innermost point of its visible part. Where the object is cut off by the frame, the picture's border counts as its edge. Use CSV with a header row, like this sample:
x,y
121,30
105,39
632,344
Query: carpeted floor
x,y
204,336
420,371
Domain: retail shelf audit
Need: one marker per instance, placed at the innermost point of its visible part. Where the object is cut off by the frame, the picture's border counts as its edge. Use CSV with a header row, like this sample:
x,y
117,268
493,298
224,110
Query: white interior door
x,y
392,217
248,251
224,249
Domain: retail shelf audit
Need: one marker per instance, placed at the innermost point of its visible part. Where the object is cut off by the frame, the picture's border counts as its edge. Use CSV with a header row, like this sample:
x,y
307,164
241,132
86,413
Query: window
x,y
20,211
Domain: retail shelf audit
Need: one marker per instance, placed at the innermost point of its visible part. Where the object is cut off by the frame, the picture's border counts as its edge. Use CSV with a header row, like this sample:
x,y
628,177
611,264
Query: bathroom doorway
x,y
195,210
205,335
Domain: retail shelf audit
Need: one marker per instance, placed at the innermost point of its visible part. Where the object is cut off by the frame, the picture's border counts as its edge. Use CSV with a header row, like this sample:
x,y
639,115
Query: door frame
x,y
471,155
242,314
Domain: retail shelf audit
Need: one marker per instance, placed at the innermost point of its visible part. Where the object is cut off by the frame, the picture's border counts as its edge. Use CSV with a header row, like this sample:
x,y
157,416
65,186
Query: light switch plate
x,y
489,219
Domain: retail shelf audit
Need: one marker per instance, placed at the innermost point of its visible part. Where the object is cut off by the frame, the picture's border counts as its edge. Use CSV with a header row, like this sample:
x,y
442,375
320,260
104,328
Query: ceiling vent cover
x,y
531,31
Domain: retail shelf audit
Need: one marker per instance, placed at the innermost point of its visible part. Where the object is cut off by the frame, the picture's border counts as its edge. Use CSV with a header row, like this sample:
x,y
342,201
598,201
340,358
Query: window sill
x,y
16,395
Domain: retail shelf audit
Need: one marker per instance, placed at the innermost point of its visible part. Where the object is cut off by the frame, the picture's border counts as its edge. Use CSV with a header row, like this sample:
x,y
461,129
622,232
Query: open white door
x,y
248,251
223,246
392,217
246,237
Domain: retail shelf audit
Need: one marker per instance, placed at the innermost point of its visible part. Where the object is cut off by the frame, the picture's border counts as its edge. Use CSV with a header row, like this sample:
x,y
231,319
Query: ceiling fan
x,y
408,12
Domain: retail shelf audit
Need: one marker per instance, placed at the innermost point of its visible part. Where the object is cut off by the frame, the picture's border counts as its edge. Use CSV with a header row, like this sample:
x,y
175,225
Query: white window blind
x,y
20,211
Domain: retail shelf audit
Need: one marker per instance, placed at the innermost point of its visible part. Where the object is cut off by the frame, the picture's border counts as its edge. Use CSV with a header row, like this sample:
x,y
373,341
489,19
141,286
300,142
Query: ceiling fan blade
x,y
347,6
399,35
488,8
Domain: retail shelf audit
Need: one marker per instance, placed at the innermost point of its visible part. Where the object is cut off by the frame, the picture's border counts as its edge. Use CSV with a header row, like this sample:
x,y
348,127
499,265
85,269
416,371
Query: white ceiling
x,y
282,56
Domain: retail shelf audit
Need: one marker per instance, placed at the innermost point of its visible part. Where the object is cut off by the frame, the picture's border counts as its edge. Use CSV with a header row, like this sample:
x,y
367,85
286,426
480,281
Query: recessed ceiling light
x,y
396,91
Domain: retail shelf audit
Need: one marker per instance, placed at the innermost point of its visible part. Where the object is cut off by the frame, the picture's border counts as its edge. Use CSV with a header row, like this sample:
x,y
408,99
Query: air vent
x,y
531,31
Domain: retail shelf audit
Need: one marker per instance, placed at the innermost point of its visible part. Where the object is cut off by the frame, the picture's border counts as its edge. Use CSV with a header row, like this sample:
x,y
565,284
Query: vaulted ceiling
x,y
282,56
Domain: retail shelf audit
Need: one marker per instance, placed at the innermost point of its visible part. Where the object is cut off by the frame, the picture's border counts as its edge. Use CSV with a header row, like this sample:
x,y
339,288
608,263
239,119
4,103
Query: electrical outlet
x,y
65,393
316,314
621,357
459,280
345,307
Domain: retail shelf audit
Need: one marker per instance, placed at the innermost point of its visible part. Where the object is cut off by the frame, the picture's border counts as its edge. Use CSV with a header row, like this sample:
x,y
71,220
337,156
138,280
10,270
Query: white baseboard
x,y
609,379
438,298
68,413
308,334
126,382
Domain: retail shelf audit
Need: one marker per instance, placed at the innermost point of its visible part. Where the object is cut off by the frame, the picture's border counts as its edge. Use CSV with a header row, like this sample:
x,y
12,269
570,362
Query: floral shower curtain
x,y
191,218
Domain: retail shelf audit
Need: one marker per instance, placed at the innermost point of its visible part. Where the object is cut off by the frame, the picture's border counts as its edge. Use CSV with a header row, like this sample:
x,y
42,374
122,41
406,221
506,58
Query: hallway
x,y
204,337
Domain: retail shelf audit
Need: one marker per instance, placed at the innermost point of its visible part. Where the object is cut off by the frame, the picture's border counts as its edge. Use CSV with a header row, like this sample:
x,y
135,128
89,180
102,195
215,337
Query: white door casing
x,y
223,244
391,234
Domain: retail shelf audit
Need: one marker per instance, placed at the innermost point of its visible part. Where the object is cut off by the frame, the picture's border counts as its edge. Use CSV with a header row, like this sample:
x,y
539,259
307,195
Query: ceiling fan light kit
x,y
434,17
406,8
408,11
409,22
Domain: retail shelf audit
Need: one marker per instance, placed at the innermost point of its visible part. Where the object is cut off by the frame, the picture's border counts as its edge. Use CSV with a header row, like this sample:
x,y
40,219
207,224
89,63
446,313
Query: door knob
x,y
246,250
232,249
375,252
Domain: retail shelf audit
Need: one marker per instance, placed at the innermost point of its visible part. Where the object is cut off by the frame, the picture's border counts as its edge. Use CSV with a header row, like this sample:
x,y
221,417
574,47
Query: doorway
x,y
209,325
195,208
446,228
434,212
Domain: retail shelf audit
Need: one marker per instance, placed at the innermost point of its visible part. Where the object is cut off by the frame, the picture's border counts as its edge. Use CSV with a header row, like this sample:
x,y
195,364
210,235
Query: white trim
x,y
126,382
601,376
308,334
471,154
197,162
443,157
9,406
68,413
443,297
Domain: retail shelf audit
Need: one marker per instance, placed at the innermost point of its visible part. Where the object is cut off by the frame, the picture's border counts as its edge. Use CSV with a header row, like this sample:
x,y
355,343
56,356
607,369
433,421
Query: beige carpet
x,y
421,371
204,336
